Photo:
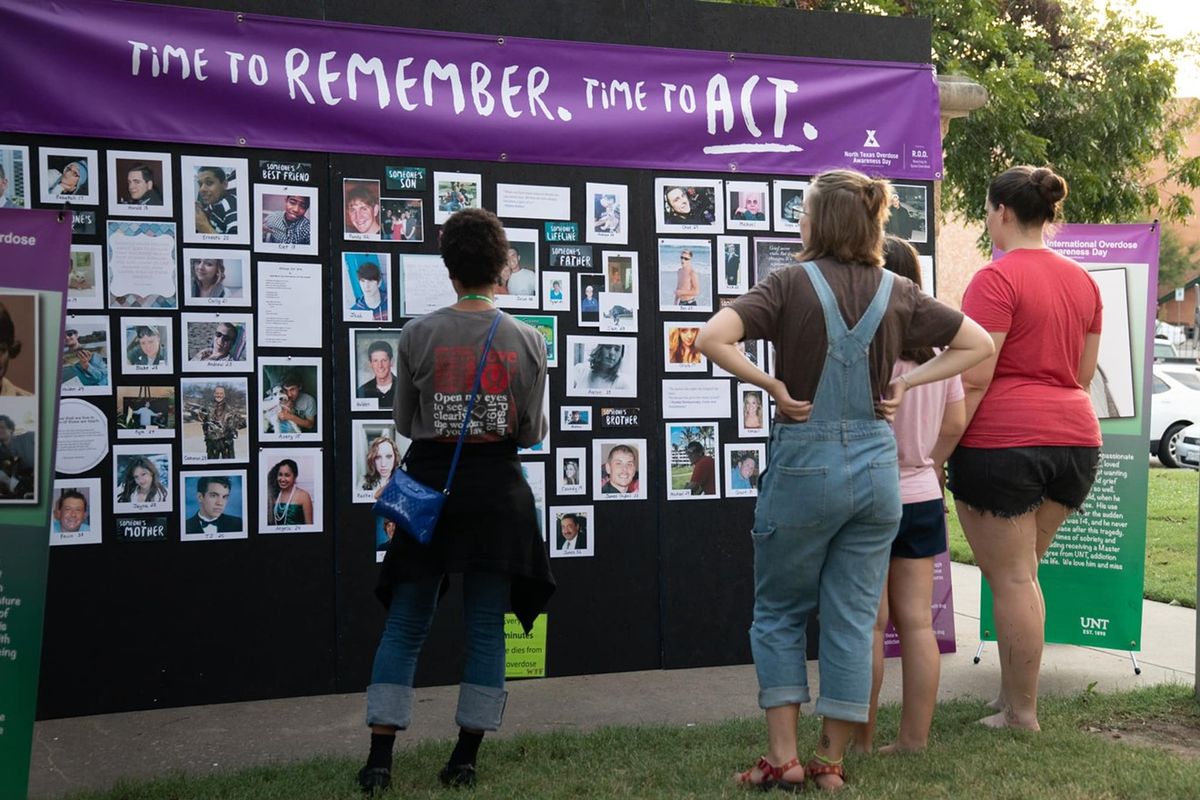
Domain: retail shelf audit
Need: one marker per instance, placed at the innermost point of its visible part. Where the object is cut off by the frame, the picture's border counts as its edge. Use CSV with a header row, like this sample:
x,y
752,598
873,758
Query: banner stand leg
x,y
979,652
1137,668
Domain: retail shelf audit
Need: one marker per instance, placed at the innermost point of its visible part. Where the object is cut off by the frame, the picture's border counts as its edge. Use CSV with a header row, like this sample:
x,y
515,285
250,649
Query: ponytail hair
x,y
1034,194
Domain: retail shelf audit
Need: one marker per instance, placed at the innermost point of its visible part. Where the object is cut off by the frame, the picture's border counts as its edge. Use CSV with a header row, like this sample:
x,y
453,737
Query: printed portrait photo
x,y
378,451
77,512
454,191
360,202
14,176
556,291
290,490
908,215
691,457
146,412
733,276
141,265
20,356
85,281
216,277
590,287
519,280
212,505
747,205
618,312
146,345
366,287
618,469
685,275
789,205
20,482
570,471
140,184
215,191
289,399
680,353
574,536
86,356
575,418
602,366
620,271
403,219
751,409
745,463
69,175
141,478
284,217
689,205
372,368
607,204
218,342
215,413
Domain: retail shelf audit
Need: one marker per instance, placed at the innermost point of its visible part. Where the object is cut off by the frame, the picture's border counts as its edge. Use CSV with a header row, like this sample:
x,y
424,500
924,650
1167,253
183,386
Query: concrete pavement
x,y
94,752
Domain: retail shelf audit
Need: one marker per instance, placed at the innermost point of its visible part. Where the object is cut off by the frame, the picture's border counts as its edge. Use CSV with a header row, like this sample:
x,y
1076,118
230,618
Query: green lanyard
x,y
482,297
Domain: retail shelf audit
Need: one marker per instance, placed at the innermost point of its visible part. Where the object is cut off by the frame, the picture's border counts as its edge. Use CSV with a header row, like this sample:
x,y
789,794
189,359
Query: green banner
x,y
525,655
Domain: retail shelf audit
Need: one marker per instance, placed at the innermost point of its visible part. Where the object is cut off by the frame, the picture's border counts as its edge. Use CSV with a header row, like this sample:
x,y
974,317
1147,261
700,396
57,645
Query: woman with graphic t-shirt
x,y
1031,448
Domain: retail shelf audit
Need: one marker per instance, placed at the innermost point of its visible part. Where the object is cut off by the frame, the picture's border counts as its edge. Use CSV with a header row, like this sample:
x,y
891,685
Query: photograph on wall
x,y
291,304
574,535
283,219
546,326
403,219
618,467
689,205
928,276
378,451
146,412
19,450
140,184
691,457
1112,387
363,217
214,190
289,399
751,409
679,348
535,475
14,176
424,285
607,204
218,342
745,463
290,490
591,284
385,529
771,254
789,205
602,366
215,414
575,418
747,206
212,505
909,213
570,471
620,271
541,448
85,281
685,275
366,284
216,277
752,350
618,312
733,276
141,265
146,345
556,291
69,175
86,356
454,191
142,478
372,368
519,281
21,356
77,516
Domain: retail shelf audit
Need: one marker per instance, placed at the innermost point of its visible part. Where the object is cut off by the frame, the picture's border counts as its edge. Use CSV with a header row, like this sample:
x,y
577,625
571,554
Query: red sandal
x,y
772,776
818,766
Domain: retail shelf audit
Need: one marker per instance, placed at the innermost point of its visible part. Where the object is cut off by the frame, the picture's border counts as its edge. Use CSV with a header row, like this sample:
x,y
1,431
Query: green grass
x,y
1077,756
1170,536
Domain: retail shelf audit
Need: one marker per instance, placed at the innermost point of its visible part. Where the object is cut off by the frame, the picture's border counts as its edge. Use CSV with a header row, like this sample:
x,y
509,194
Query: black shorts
x,y
922,530
1012,481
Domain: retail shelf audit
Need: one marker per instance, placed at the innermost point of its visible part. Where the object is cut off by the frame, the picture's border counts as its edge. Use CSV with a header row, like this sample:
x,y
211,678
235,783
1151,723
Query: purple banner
x,y
943,612
152,72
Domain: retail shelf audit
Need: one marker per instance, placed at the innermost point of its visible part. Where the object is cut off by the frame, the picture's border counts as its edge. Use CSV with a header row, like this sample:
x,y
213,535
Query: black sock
x,y
381,750
467,748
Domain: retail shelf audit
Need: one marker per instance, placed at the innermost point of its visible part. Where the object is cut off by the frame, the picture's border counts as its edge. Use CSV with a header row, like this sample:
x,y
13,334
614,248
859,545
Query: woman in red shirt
x,y
1031,448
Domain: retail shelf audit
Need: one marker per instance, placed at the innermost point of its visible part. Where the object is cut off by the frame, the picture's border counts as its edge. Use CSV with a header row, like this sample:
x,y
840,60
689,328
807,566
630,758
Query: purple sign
x,y
157,72
943,612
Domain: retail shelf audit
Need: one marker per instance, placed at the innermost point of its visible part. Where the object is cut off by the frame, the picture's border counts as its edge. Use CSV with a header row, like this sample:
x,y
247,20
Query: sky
x,y
1177,18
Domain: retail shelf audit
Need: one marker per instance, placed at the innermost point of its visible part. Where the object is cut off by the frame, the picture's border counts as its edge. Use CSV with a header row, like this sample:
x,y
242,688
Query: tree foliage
x,y
1177,261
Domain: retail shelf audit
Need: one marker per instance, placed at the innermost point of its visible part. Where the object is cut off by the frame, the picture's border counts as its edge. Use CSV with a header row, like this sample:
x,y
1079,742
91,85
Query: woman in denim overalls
x,y
829,499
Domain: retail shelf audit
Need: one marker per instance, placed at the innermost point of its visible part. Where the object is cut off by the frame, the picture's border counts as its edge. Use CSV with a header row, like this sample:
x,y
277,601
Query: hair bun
x,y
1052,187
875,193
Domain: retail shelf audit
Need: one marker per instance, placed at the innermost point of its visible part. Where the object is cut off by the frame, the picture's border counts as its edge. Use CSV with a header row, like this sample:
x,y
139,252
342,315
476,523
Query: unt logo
x,y
1093,624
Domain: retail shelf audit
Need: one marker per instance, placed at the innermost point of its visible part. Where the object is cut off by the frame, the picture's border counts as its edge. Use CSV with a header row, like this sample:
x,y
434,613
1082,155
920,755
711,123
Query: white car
x,y
1174,406
1187,451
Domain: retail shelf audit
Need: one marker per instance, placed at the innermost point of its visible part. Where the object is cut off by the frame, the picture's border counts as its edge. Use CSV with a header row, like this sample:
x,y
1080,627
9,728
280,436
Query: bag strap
x,y
462,435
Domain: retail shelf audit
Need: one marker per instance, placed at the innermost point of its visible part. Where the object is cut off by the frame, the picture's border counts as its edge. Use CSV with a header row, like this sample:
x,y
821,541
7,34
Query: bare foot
x,y
865,748
900,747
997,704
1006,719
829,783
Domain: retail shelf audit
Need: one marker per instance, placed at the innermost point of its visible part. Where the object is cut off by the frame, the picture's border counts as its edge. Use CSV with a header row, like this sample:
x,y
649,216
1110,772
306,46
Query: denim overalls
x,y
828,510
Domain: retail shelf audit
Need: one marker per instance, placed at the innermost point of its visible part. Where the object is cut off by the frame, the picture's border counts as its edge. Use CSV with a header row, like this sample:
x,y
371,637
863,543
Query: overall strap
x,y
462,435
864,331
835,326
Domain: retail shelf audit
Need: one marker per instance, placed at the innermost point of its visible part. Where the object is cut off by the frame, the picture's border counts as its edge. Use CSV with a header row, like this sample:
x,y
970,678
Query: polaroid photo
x,y
575,418
424,285
535,476
366,283
546,326
216,277
213,505
142,478
751,409
146,412
679,348
518,287
283,219
685,275
772,254
146,346
215,342
290,490
692,449
541,448
747,206
289,399
363,221
574,535
752,350
734,276
591,284
618,312
77,513
909,212
140,184
14,176
69,175
215,414
620,271
142,265
689,205
602,366
618,469
570,465
372,368
607,205
403,220
556,291
745,463
86,356
85,281
214,190
377,451
454,191
789,205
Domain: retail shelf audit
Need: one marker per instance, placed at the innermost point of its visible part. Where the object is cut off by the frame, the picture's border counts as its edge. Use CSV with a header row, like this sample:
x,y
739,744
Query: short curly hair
x,y
474,247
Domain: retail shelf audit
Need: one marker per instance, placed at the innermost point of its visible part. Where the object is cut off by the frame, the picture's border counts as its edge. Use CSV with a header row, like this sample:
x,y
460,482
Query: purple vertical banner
x,y
943,612
34,261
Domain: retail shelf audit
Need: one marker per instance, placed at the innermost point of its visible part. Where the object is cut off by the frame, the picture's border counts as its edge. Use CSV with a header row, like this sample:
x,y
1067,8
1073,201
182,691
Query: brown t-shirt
x,y
785,310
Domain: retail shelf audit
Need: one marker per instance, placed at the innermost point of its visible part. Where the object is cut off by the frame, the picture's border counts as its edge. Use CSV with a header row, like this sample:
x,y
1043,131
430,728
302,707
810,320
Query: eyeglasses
x,y
685,258
228,337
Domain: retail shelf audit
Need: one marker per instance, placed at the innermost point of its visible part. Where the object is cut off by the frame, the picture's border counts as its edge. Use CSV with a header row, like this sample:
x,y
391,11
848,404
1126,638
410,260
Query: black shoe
x,y
458,775
374,779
